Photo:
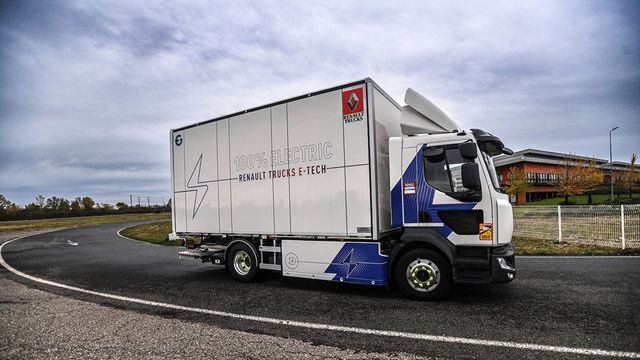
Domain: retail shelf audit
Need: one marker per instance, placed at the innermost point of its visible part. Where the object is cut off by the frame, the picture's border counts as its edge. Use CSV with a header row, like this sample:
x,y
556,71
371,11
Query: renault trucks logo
x,y
353,105
353,101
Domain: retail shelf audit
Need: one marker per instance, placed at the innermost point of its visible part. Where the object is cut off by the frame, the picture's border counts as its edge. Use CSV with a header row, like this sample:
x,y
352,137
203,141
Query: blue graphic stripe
x,y
396,206
359,263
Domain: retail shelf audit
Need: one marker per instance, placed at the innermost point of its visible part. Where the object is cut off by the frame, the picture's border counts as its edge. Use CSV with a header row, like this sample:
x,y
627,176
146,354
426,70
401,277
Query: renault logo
x,y
353,101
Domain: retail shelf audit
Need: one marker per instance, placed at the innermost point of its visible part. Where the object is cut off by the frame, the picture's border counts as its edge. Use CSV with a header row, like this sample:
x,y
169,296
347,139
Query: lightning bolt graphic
x,y
199,187
348,261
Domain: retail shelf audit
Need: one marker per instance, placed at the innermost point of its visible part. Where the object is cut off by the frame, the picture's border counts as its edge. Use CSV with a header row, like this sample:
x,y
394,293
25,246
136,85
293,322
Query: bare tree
x,y
41,201
4,203
87,203
59,204
76,204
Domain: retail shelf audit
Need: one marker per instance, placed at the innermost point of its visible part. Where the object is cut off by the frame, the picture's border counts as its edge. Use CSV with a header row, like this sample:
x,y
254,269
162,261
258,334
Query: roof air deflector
x,y
421,116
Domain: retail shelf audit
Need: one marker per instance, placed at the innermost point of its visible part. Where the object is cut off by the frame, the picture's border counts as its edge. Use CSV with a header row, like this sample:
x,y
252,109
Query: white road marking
x,y
309,325
138,241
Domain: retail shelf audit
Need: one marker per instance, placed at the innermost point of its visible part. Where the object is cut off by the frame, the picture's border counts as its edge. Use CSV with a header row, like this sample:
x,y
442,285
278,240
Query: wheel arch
x,y
422,237
242,241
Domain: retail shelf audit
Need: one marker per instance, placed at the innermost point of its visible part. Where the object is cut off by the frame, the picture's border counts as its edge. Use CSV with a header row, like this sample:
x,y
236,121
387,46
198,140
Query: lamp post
x,y
611,163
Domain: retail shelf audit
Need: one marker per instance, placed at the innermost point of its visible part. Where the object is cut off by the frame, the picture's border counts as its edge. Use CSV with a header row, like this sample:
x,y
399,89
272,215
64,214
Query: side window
x,y
443,168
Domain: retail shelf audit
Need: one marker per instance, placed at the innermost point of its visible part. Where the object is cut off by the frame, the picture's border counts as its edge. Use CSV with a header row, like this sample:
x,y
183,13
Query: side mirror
x,y
471,176
507,151
469,150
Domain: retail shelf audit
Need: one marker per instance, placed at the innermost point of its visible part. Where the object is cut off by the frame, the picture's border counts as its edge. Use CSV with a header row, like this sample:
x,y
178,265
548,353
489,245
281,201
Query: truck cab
x,y
456,221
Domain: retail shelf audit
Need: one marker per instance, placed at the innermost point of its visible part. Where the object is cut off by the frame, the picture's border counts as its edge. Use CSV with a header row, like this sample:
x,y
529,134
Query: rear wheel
x,y
242,263
423,274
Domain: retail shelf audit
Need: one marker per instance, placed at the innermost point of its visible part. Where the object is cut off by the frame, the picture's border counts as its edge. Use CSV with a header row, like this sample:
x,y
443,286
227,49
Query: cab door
x,y
457,206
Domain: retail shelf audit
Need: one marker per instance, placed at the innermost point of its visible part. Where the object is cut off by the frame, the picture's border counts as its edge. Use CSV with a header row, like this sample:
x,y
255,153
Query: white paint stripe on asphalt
x,y
119,233
308,325
130,239
122,236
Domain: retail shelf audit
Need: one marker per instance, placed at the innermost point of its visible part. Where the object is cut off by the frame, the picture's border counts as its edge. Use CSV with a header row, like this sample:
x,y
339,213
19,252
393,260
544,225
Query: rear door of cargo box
x,y
195,179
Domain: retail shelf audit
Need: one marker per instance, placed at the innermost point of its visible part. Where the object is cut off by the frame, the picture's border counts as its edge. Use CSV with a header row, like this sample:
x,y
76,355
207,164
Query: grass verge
x,y
525,246
32,225
157,233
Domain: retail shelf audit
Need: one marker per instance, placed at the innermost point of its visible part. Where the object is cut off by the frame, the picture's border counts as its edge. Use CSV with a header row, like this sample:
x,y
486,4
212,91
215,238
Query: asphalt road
x,y
569,302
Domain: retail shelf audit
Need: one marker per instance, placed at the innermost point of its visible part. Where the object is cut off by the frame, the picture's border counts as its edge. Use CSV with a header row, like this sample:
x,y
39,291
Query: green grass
x,y
33,225
157,233
525,246
581,199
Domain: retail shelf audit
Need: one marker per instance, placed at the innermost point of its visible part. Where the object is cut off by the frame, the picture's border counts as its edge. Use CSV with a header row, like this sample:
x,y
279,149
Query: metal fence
x,y
601,225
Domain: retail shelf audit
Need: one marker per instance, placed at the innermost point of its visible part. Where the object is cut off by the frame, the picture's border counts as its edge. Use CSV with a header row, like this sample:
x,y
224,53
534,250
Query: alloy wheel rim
x,y
242,262
423,275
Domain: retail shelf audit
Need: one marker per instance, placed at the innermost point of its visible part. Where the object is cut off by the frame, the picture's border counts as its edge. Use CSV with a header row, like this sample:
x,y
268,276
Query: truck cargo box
x,y
312,166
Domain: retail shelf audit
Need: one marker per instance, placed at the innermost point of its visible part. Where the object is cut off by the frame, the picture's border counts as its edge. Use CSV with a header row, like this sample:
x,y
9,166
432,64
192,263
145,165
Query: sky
x,y
89,90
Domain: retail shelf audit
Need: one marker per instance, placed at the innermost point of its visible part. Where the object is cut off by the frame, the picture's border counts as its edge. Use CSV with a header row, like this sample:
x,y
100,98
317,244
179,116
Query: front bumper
x,y
487,265
503,264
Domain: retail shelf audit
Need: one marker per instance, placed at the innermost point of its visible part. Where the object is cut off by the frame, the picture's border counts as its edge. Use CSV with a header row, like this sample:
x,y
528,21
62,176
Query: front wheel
x,y
242,263
423,274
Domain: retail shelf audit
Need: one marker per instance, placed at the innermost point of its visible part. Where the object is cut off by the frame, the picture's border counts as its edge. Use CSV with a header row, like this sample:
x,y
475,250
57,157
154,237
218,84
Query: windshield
x,y
488,161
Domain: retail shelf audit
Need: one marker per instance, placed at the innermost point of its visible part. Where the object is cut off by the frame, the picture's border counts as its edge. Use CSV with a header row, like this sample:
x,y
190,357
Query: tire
x,y
242,263
423,274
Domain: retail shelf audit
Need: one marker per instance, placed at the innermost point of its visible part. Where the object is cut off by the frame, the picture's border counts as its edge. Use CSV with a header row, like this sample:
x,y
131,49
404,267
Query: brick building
x,y
543,168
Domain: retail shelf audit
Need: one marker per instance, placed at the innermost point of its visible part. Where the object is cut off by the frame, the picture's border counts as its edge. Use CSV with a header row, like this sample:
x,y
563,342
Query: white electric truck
x,y
345,185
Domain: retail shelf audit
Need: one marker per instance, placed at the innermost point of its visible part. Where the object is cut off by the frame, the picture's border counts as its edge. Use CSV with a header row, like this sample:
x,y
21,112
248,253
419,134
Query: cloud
x,y
90,90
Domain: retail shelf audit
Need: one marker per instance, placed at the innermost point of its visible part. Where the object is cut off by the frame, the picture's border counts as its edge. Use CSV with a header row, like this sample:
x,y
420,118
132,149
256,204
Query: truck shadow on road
x,y
277,285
